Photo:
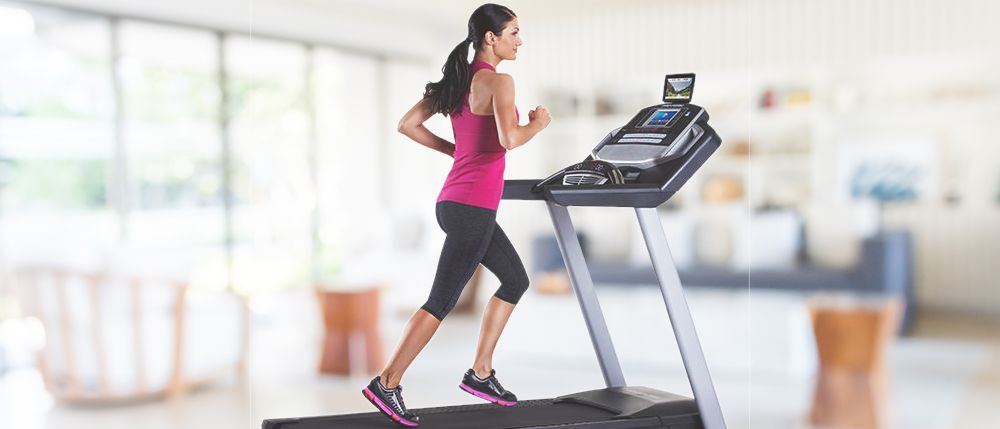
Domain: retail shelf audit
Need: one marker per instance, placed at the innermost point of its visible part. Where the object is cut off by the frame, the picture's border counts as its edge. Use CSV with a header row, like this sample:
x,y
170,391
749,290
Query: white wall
x,y
889,49
736,46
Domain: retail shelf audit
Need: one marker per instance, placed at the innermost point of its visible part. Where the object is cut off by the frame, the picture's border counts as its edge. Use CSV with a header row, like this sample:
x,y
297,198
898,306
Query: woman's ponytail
x,y
446,95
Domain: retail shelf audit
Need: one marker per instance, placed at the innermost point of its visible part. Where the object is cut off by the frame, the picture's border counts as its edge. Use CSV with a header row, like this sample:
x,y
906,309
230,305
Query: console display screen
x,y
660,118
679,87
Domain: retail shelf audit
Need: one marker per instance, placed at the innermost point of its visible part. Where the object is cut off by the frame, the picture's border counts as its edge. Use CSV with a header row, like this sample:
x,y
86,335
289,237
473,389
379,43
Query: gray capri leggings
x,y
473,237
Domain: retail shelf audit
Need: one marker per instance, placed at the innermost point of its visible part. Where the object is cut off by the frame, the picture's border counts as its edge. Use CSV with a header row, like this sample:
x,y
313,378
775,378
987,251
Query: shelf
x,y
781,157
978,110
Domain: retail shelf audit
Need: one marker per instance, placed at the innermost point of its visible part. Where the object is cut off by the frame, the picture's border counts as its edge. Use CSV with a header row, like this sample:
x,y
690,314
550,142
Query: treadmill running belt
x,y
526,414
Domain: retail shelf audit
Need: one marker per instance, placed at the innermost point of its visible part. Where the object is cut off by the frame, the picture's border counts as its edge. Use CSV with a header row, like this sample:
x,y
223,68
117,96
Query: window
x,y
112,136
56,134
349,177
272,186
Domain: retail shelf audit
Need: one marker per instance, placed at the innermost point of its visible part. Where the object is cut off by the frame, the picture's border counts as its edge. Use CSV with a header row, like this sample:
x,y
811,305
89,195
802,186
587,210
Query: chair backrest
x,y
87,315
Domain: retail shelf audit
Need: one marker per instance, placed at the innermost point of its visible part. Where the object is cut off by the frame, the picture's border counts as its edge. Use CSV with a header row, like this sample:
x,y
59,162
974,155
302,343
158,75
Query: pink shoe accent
x,y
385,408
482,395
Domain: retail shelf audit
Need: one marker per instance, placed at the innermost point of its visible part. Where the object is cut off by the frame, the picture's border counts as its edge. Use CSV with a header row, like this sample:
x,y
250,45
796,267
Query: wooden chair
x,y
111,339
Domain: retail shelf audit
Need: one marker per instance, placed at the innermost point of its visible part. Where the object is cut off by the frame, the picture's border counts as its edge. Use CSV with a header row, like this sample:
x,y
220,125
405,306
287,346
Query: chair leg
x,y
335,357
365,321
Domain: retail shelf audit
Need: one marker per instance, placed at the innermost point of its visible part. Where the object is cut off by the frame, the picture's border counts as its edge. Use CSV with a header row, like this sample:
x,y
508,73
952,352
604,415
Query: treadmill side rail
x,y
680,319
583,286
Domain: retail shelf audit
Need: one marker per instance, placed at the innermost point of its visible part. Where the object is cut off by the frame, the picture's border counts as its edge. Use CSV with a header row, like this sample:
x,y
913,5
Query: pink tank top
x,y
476,176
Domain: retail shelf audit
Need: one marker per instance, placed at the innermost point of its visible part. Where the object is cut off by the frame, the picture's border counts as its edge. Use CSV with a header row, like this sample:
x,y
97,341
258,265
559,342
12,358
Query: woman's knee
x,y
511,289
440,304
438,310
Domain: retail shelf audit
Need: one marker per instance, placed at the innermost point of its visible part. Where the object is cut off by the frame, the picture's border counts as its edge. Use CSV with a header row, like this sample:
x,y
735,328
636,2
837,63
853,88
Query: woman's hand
x,y
541,115
412,126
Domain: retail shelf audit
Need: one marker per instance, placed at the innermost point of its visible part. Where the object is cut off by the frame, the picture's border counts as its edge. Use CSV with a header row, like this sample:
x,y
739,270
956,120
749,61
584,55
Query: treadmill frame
x,y
622,406
673,297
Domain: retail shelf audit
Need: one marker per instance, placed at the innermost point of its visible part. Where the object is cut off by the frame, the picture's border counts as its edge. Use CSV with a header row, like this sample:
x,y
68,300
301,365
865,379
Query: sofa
x,y
882,265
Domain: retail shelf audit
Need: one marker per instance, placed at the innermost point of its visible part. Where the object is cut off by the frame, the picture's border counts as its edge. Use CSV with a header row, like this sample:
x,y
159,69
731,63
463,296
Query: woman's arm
x,y
412,126
513,135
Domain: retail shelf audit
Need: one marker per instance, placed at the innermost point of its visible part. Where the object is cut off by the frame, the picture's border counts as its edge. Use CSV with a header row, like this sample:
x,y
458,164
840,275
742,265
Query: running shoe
x,y
390,402
488,388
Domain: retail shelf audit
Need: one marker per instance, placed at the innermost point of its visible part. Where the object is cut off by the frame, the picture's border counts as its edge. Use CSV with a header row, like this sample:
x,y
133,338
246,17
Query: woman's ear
x,y
490,38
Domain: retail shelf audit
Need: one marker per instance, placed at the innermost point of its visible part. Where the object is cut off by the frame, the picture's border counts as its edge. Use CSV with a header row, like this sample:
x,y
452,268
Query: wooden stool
x,y
349,318
553,283
852,387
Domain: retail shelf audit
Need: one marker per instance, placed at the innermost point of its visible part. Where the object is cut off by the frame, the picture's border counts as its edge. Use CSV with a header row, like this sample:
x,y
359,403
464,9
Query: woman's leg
x,y
504,262
468,230
494,319
418,332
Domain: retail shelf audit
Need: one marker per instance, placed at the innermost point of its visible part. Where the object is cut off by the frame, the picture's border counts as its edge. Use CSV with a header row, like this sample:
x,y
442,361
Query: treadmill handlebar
x,y
611,195
520,189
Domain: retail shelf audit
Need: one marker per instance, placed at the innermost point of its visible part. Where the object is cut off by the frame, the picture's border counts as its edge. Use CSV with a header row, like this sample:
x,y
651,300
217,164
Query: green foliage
x,y
60,183
165,95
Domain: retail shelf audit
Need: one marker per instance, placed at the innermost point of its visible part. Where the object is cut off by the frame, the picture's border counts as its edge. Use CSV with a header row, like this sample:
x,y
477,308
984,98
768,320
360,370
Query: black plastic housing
x,y
652,187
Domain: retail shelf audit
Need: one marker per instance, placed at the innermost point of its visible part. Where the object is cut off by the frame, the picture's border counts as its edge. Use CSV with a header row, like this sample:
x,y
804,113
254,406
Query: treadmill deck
x,y
541,413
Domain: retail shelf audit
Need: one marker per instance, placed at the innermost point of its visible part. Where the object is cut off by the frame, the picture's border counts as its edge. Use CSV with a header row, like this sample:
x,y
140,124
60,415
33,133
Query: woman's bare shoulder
x,y
499,79
494,82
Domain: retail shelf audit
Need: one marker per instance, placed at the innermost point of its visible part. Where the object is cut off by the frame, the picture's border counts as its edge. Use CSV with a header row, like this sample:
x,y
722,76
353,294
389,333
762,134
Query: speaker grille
x,y
584,179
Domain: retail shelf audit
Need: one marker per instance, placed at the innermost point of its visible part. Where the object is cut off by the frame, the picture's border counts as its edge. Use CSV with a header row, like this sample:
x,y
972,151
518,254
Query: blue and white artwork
x,y
887,170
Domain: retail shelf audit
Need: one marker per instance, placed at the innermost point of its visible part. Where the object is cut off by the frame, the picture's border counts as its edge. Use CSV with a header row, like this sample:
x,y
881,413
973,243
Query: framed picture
x,y
886,170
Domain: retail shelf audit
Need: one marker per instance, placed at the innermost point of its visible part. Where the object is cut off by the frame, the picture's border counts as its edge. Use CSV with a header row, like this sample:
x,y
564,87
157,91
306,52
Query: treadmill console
x,y
678,88
653,154
657,134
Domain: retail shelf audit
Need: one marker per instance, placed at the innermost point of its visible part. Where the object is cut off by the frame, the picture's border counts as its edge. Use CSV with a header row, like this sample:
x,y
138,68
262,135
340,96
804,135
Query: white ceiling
x,y
451,10
417,28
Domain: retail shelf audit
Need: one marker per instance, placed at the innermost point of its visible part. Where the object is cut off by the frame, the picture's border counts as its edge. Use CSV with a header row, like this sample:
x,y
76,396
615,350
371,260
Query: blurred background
x,y
207,217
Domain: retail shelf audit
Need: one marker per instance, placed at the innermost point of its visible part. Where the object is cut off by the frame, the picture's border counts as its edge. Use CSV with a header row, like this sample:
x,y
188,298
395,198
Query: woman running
x,y
480,102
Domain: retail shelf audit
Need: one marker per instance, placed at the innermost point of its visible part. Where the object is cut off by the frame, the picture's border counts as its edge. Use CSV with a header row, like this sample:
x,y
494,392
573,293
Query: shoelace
x,y
496,383
396,395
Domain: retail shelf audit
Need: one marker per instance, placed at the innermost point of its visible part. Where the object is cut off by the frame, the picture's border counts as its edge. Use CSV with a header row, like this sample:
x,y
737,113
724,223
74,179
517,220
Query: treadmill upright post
x,y
680,319
583,286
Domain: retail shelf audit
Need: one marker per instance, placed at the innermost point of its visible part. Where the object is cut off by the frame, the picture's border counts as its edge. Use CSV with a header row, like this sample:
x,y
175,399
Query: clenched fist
x,y
541,115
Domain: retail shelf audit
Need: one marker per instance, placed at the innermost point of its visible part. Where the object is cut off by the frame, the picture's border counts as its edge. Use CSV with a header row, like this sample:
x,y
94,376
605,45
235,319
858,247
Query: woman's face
x,y
505,44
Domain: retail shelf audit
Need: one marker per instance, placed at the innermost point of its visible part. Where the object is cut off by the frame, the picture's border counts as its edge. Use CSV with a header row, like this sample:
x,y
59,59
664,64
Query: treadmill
x,y
650,158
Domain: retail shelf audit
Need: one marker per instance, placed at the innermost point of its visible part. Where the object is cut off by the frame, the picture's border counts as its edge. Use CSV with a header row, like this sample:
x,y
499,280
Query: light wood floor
x,y
984,388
